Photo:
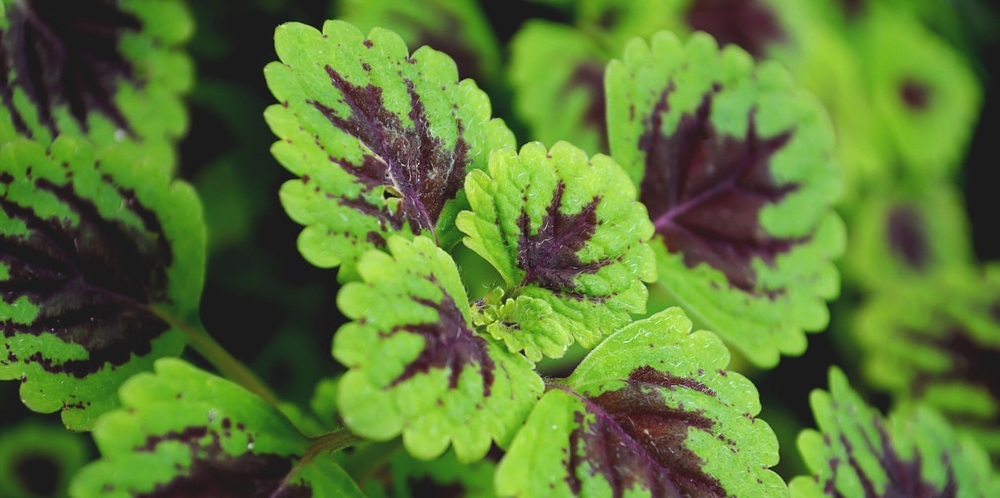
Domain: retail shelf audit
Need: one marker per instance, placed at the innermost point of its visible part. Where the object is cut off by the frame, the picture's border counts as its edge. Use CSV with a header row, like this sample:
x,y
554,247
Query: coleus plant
x,y
555,376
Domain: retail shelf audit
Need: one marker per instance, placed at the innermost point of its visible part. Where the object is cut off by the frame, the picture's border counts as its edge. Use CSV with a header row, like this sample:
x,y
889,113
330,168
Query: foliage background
x,y
286,312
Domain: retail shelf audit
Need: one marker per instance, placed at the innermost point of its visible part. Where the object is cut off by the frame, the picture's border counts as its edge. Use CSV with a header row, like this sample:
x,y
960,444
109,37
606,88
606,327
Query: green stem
x,y
335,440
330,442
225,363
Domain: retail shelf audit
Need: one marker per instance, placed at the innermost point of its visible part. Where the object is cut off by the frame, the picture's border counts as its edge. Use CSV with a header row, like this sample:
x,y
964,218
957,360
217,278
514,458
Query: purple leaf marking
x,y
907,239
745,23
549,256
93,283
65,53
589,75
705,190
905,477
637,442
213,472
410,162
915,94
448,344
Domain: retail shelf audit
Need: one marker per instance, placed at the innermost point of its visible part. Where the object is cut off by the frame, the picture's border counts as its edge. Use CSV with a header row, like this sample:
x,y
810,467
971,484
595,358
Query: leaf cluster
x,y
559,267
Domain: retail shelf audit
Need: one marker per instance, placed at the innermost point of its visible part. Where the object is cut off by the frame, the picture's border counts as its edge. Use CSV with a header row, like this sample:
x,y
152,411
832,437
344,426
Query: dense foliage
x,y
551,248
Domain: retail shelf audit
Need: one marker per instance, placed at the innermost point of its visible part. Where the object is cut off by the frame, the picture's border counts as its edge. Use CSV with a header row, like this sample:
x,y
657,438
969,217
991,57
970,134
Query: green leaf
x,y
380,139
924,92
37,460
184,432
417,365
100,254
906,236
753,25
818,49
568,237
937,342
733,164
106,69
324,402
856,452
650,412
456,27
568,103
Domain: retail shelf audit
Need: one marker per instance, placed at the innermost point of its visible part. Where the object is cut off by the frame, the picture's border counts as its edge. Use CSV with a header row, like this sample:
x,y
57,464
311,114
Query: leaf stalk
x,y
206,346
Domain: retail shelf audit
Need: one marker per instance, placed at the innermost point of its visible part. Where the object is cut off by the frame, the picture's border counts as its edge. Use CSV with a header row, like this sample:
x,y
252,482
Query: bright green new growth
x,y
380,139
183,432
733,164
102,255
856,452
569,239
417,365
650,412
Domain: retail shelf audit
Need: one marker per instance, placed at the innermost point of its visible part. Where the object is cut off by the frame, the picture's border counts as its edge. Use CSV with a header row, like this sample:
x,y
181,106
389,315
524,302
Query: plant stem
x,y
222,360
330,442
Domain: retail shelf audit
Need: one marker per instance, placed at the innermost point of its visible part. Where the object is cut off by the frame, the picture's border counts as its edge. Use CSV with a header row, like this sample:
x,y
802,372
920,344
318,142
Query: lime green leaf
x,y
417,366
733,164
753,25
456,27
901,237
856,452
380,139
324,402
37,461
184,432
825,62
650,412
565,232
568,103
926,94
937,342
107,69
99,253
